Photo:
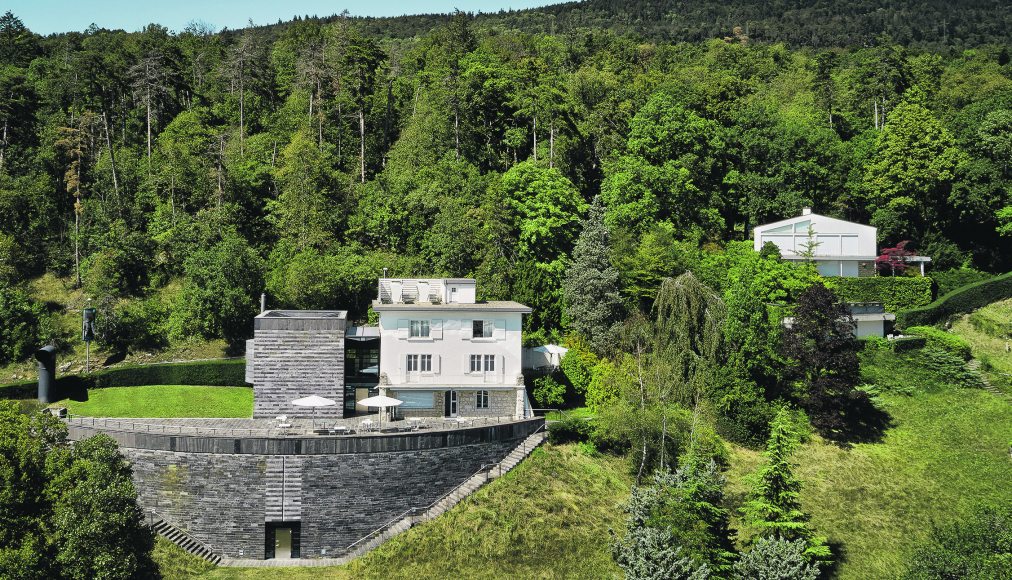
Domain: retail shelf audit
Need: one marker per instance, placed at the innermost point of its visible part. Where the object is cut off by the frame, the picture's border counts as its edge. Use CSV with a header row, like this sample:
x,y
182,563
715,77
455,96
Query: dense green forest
x,y
302,158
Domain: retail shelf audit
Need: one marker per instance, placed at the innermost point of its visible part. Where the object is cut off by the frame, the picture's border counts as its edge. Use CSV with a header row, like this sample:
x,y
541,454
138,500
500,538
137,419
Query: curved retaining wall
x,y
224,491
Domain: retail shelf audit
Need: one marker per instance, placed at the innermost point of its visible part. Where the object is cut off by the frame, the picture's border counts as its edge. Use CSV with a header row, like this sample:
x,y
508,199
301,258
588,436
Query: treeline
x,y
302,159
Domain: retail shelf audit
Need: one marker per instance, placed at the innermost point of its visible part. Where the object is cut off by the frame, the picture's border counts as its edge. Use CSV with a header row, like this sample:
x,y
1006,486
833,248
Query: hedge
x,y
939,338
961,301
895,292
216,373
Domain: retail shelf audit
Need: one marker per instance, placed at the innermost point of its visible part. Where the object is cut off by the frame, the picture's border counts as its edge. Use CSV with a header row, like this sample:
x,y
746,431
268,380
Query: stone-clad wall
x,y
291,364
224,499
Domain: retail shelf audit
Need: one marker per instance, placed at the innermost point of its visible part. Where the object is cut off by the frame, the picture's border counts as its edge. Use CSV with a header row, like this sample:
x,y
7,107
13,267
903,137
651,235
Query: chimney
x,y
263,303
806,211
384,272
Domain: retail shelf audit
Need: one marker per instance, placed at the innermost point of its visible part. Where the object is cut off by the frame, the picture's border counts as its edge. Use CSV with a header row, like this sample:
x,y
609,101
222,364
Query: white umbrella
x,y
314,401
381,401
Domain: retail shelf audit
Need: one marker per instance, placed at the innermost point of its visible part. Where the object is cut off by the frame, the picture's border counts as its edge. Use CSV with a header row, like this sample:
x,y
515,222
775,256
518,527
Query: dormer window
x,y
419,329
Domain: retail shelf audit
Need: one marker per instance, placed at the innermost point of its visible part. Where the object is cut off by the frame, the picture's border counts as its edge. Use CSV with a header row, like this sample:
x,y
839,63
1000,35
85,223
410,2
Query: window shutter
x,y
501,369
435,363
436,329
499,330
466,369
466,327
402,328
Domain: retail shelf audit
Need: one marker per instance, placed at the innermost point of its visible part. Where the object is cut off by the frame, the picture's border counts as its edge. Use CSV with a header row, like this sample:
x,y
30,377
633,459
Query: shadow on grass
x,y
839,552
856,419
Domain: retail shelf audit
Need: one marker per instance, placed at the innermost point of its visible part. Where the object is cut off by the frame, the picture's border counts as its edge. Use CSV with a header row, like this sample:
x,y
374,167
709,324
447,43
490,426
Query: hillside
x,y
813,23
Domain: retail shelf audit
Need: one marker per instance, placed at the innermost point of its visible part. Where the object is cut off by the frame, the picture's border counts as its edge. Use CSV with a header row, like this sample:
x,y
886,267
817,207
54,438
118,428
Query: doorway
x,y
450,404
282,540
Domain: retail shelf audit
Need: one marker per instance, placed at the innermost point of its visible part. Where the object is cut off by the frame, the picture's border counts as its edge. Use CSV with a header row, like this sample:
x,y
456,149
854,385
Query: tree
x,y
590,288
773,507
96,526
19,331
302,212
821,344
775,559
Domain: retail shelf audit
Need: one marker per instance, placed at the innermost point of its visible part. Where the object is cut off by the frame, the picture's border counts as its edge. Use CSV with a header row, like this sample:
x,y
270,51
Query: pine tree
x,y
773,508
590,289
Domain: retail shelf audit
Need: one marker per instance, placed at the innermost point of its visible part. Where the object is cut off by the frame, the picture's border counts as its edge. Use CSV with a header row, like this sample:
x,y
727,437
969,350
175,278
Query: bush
x,y
909,343
961,301
895,292
19,326
548,391
217,373
570,430
577,365
980,548
944,340
948,280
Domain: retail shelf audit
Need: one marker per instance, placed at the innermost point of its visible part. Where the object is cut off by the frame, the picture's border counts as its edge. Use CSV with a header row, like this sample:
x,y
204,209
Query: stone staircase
x,y
974,366
451,499
184,541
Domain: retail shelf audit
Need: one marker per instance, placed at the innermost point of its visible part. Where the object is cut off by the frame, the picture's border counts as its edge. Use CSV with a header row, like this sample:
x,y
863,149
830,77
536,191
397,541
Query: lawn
x,y
548,518
988,347
947,453
164,401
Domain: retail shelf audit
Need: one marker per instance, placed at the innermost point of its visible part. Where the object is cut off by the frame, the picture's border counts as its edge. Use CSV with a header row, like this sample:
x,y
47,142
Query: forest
x,y
601,162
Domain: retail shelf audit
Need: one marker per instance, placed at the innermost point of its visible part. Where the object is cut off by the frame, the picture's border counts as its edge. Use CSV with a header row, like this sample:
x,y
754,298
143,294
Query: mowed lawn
x,y
164,401
946,454
548,518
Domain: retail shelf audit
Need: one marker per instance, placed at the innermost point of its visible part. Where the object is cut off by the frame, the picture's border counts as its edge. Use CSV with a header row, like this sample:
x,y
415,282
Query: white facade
x,y
838,247
445,354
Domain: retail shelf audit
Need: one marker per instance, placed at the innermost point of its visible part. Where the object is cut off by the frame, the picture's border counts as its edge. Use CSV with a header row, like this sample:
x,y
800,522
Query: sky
x,y
49,16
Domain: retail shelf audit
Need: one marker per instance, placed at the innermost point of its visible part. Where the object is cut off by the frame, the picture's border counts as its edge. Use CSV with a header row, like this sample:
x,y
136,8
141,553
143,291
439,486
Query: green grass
x,y
988,347
946,453
164,401
548,518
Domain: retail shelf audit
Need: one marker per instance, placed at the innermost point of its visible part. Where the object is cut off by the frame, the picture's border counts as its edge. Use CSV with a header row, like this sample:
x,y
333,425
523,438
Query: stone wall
x,y
501,403
222,491
291,364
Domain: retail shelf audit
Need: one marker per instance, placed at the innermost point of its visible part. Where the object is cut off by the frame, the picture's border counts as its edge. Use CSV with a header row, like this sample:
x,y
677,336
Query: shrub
x,y
895,292
577,365
949,280
980,548
548,391
909,343
19,316
960,301
570,430
944,340
776,559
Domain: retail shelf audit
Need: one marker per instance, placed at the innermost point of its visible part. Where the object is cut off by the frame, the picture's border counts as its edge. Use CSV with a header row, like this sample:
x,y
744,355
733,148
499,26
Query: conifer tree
x,y
590,289
773,508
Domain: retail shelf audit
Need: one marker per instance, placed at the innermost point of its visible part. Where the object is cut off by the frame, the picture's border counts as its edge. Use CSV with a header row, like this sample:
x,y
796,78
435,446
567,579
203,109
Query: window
x,y
419,329
482,401
482,329
426,363
413,363
475,363
489,362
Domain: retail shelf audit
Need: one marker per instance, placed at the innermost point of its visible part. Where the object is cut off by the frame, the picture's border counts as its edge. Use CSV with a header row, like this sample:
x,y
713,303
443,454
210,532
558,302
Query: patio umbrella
x,y
314,401
381,401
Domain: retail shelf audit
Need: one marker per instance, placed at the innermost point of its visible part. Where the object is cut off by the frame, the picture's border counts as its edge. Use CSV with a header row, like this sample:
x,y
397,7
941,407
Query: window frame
x,y
412,363
487,328
474,363
488,365
425,363
419,328
482,400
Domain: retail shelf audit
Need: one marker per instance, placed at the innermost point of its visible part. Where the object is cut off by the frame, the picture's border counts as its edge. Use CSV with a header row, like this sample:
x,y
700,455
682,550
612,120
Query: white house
x,y
445,354
838,247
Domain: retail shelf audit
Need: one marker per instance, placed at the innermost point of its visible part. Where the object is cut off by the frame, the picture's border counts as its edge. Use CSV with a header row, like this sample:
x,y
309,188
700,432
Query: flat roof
x,y
488,306
308,314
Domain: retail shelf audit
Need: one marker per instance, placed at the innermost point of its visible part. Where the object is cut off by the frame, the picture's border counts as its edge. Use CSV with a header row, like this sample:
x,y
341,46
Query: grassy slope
x,y
548,518
990,348
165,401
947,452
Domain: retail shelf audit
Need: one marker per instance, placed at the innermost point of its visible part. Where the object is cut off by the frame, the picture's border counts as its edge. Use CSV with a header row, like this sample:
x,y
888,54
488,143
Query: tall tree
x,y
590,288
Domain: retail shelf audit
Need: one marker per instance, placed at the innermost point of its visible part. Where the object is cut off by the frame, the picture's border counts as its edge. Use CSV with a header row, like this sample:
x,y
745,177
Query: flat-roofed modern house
x,y
838,247
446,354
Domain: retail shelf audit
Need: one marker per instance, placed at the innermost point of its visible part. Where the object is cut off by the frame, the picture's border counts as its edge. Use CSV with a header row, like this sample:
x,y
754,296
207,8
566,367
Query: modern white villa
x,y
446,354
838,247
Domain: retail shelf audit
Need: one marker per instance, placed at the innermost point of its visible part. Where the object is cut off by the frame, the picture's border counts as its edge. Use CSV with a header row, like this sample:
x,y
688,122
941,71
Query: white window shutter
x,y
436,329
501,368
499,330
466,369
466,327
435,364
402,328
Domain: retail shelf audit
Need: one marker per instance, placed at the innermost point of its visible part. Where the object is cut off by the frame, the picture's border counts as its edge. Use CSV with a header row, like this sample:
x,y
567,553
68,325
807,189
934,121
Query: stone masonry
x,y
297,354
